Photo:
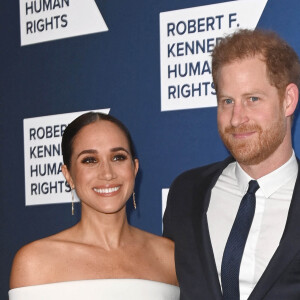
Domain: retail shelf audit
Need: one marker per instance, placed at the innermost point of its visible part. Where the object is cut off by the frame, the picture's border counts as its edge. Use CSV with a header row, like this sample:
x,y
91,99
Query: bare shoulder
x,y
34,263
163,248
161,244
160,251
27,264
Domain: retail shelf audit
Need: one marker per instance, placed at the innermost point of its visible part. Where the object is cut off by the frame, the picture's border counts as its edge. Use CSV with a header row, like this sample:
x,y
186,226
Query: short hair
x,y
282,62
85,119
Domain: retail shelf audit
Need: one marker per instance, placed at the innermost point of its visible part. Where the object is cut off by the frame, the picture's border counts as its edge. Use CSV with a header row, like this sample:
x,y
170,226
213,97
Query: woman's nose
x,y
106,171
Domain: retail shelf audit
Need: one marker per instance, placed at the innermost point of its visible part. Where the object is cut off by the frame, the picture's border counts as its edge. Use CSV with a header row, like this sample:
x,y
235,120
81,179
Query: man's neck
x,y
273,162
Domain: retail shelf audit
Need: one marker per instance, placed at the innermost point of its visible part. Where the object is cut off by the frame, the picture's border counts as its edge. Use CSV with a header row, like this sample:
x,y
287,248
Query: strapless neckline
x,y
98,289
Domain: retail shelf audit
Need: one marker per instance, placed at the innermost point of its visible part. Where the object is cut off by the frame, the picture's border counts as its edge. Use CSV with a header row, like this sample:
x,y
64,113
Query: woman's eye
x,y
119,157
89,160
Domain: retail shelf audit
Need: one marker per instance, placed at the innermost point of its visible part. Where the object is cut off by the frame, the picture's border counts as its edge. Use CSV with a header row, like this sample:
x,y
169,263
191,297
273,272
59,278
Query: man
x,y
228,246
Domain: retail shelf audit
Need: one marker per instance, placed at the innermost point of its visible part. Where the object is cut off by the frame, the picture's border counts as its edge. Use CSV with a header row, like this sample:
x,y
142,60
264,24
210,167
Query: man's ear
x,y
290,99
67,175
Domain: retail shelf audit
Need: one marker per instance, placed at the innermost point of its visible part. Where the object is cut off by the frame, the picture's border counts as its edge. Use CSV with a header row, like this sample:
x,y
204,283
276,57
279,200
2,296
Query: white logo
x,y
47,20
187,38
44,182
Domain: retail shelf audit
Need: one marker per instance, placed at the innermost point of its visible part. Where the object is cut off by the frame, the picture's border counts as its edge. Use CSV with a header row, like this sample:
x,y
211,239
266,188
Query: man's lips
x,y
243,132
242,135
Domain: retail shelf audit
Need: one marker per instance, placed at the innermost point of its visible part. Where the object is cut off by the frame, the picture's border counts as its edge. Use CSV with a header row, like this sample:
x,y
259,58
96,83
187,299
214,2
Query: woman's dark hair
x,y
76,125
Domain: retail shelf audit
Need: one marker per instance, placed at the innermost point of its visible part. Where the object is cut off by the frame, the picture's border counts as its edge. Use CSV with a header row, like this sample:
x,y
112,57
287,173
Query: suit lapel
x,y
201,202
290,239
287,249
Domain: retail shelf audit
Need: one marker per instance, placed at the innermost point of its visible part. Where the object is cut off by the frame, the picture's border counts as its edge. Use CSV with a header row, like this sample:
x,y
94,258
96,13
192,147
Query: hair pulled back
x,y
88,118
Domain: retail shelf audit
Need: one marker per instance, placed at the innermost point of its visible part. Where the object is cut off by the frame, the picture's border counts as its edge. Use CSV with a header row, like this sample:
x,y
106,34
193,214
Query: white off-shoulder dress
x,y
98,289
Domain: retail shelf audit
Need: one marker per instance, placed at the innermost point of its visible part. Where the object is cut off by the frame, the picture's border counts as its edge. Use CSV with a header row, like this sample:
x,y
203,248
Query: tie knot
x,y
253,187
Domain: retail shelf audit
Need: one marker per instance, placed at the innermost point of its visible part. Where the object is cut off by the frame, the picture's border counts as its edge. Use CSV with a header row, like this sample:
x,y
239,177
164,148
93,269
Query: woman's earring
x,y
72,192
133,200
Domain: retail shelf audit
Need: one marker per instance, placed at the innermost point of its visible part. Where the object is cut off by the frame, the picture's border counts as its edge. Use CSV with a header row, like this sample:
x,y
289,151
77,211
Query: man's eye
x,y
89,160
253,99
228,101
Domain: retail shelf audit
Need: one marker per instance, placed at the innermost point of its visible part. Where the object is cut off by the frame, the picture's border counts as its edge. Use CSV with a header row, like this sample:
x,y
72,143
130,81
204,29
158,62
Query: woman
x,y
102,256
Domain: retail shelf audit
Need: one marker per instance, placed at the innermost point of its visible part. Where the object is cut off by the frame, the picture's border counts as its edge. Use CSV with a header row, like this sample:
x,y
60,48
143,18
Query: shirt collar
x,y
271,182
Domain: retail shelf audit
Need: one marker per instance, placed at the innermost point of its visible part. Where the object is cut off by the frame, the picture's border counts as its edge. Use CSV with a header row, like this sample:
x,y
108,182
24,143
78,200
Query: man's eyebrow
x,y
253,92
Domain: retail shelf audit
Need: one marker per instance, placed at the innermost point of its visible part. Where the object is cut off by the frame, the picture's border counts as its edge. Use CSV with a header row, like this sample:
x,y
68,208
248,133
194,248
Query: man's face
x,y
251,118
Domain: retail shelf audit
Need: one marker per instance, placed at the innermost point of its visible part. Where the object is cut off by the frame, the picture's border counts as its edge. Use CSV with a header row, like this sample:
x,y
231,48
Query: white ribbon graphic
x,y
47,20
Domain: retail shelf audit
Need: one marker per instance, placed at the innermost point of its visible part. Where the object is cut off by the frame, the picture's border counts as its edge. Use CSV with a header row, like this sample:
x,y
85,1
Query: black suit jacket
x,y
185,222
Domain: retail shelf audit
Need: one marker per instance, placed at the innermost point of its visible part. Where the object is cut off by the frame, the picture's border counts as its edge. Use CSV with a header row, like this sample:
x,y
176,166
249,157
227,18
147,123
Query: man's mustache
x,y
242,129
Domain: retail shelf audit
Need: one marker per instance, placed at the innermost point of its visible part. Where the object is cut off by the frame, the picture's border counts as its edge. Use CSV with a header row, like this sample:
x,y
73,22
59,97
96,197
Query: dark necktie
x,y
236,242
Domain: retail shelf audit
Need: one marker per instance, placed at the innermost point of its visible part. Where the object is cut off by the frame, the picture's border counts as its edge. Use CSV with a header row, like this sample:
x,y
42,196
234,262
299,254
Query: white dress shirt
x,y
273,200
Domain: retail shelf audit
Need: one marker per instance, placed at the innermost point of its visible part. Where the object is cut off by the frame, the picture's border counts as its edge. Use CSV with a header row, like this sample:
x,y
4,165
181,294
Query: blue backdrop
x,y
119,69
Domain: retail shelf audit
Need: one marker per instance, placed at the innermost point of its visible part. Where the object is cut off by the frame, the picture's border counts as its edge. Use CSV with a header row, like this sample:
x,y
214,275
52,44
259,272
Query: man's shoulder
x,y
196,174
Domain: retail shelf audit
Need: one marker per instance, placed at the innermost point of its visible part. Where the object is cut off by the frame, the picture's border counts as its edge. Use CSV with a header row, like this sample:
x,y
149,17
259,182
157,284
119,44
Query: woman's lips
x,y
107,191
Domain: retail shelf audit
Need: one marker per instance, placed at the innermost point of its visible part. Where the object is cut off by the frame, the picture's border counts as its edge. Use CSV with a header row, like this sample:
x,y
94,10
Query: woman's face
x,y
102,170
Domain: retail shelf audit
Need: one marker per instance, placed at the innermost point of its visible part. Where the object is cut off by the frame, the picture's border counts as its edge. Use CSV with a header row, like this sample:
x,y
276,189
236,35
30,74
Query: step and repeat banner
x,y
146,63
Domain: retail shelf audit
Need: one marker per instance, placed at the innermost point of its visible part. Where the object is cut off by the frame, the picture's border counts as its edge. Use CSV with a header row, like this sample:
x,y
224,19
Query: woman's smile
x,y
108,191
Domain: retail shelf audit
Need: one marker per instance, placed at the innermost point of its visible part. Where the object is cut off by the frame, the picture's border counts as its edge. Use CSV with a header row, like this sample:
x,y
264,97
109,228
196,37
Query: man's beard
x,y
253,150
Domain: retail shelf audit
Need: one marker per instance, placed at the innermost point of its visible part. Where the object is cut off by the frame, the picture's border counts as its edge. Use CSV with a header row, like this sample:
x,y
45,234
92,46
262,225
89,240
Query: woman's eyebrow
x,y
89,151
119,149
